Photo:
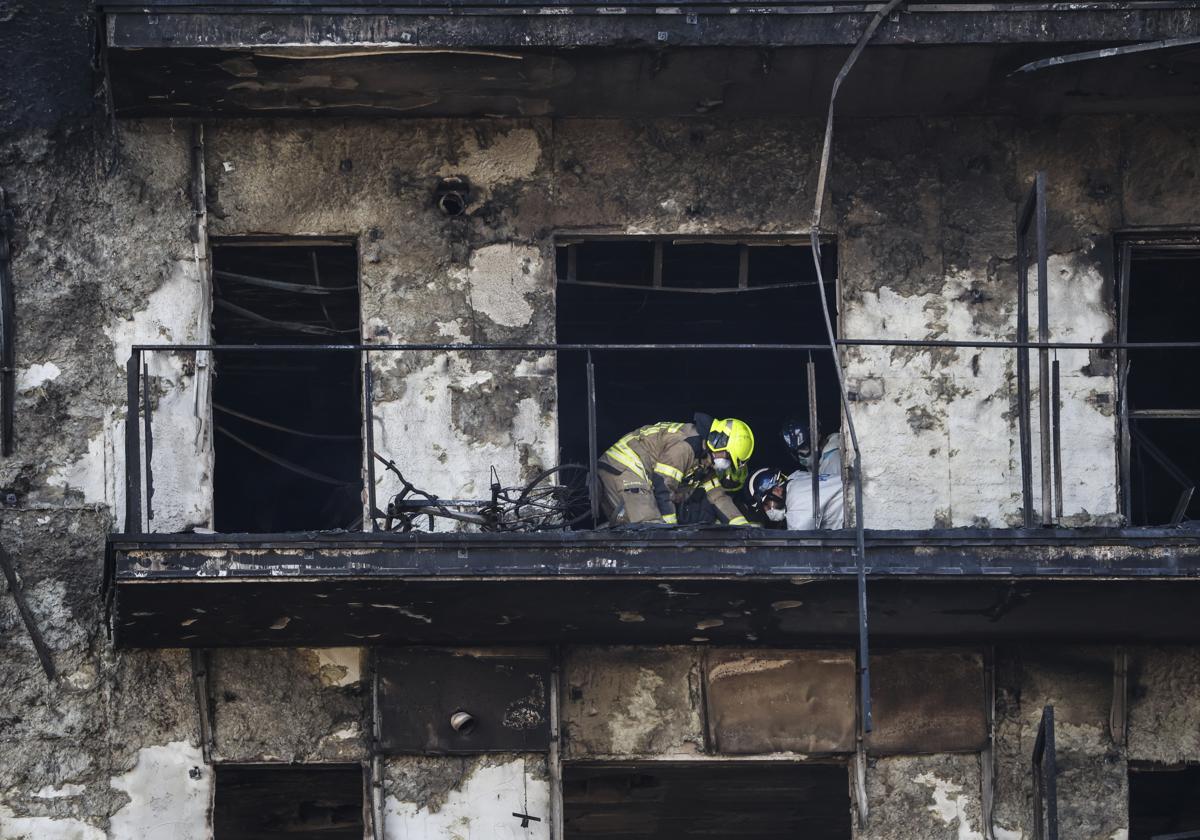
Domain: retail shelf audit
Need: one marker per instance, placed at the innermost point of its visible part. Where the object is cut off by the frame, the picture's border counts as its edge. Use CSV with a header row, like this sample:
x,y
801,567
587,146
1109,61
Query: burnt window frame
x,y
564,238
294,240
1125,242
367,815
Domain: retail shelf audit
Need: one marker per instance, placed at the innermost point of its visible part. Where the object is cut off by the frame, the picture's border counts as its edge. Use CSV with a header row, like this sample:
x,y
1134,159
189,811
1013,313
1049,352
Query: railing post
x,y
814,443
593,458
133,459
1044,352
369,436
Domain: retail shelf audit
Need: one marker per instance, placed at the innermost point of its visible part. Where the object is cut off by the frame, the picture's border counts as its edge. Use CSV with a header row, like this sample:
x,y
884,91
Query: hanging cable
x,y
864,668
283,462
266,424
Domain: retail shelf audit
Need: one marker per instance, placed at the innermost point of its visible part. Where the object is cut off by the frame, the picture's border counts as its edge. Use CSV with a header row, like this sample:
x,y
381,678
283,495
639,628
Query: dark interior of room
x,y
299,802
1164,297
288,442
1164,802
608,297
735,801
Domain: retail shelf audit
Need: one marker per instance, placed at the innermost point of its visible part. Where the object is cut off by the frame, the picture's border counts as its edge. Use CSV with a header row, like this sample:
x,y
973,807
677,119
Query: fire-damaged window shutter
x,y
438,701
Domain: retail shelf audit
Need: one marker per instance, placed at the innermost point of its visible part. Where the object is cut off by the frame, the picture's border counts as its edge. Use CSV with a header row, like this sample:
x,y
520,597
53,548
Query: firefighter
x,y
650,471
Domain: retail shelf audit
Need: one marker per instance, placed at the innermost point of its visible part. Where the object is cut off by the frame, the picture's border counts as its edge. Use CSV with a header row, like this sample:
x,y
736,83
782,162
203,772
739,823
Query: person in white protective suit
x,y
788,498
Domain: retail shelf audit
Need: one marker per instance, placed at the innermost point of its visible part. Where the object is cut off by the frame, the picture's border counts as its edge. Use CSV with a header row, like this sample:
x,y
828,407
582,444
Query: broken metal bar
x,y
149,443
7,336
266,424
1045,780
743,267
201,663
1056,439
658,265
814,445
593,455
133,463
369,436
1171,468
282,285
1043,353
294,326
283,462
864,663
35,635
1165,414
1107,52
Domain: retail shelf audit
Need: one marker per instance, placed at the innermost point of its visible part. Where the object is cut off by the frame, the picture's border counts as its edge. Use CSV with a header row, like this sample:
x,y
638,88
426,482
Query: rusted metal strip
x,y
1043,278
133,446
201,667
7,336
593,454
369,438
1056,437
149,434
27,617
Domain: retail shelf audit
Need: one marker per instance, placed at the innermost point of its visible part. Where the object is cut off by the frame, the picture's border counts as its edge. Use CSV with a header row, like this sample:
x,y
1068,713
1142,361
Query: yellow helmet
x,y
732,436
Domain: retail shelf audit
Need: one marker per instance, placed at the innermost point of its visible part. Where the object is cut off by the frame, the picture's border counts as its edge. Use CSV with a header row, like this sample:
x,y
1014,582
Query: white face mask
x,y
776,514
722,464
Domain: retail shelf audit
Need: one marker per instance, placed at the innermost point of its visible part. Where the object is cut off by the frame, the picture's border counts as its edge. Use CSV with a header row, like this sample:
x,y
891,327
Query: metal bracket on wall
x,y
18,593
554,758
201,667
376,774
1118,718
1045,780
987,758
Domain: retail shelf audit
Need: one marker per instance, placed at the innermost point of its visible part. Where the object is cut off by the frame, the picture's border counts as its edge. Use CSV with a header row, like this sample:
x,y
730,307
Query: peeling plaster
x,y
480,805
500,279
638,715
45,828
170,792
35,376
950,804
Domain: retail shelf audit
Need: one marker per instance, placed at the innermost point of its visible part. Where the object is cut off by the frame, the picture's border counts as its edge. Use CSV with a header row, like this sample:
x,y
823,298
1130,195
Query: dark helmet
x,y
797,440
763,482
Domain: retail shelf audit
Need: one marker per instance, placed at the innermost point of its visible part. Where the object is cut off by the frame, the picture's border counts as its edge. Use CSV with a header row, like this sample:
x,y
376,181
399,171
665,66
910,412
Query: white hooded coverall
x,y
799,490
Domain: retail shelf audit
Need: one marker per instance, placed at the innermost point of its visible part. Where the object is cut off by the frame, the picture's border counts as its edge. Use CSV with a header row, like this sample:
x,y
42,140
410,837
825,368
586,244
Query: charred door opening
x,y
643,290
288,423
1164,802
714,801
1160,294
299,802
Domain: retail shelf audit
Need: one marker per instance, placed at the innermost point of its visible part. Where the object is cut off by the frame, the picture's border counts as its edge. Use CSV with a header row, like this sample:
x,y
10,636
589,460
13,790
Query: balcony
x,y
481,57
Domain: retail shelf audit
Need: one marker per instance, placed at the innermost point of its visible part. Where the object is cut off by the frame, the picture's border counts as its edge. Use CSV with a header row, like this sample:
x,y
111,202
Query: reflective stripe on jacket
x,y
668,457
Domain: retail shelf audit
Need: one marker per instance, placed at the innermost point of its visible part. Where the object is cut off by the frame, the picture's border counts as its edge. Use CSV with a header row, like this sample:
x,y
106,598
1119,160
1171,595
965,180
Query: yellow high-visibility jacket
x,y
668,456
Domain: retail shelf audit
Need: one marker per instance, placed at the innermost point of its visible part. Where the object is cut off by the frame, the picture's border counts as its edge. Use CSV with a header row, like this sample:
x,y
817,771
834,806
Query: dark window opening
x,y
1161,290
305,802
1164,803
706,293
727,801
288,424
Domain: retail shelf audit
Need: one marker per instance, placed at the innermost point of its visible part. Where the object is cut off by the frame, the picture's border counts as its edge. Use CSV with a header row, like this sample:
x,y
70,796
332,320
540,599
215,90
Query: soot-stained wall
x,y
923,211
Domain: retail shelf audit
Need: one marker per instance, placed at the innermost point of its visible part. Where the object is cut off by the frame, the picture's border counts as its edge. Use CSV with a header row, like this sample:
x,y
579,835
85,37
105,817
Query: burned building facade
x,y
253,253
